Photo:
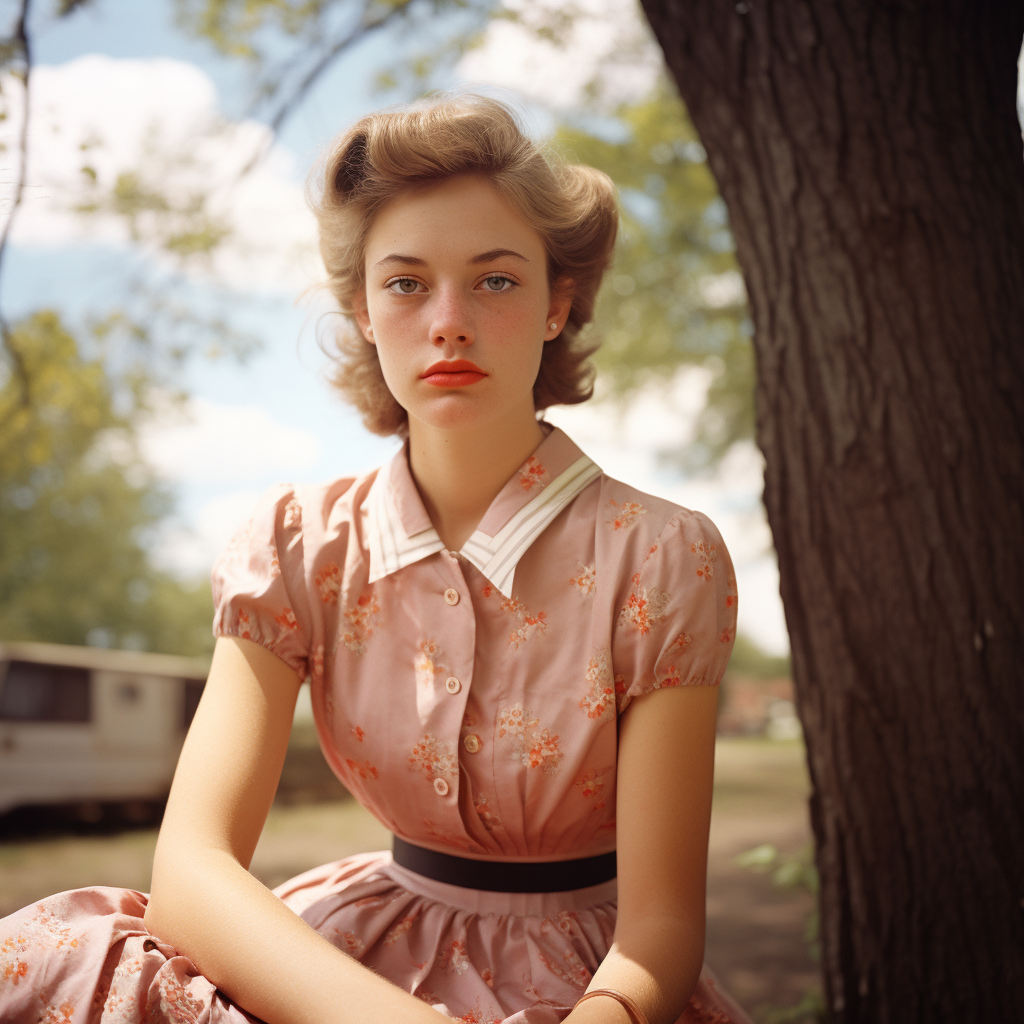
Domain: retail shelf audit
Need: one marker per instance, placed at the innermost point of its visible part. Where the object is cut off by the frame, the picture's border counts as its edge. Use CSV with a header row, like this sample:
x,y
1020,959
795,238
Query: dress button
x,y
440,787
452,685
472,743
451,595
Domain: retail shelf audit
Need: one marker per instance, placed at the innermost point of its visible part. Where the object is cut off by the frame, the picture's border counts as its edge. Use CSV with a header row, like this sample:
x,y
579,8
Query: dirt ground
x,y
756,929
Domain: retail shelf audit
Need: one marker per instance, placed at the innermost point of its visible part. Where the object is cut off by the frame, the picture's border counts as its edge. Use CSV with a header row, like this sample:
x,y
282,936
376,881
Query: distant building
x,y
758,707
83,724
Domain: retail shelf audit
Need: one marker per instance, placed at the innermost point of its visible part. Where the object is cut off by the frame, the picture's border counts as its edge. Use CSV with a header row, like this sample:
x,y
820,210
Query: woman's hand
x,y
663,814
204,901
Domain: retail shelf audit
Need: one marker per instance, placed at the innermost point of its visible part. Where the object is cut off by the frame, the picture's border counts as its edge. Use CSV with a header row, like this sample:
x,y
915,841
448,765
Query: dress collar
x,y
399,531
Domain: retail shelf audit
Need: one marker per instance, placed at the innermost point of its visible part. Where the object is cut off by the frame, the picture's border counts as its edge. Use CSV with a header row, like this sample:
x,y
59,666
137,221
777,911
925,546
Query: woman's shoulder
x,y
312,508
265,586
673,592
293,520
324,500
628,517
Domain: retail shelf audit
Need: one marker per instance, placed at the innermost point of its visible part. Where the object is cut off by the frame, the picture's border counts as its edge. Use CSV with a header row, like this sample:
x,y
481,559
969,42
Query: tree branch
x,y
23,43
287,106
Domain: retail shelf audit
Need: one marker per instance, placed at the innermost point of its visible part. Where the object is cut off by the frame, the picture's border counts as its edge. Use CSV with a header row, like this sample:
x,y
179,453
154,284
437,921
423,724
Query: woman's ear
x,y
562,291
362,315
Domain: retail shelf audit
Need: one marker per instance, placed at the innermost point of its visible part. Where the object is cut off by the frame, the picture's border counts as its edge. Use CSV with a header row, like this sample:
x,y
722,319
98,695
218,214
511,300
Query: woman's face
x,y
458,305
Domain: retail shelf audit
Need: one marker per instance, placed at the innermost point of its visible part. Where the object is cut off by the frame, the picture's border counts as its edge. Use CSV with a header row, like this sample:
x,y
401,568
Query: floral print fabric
x,y
465,720
86,956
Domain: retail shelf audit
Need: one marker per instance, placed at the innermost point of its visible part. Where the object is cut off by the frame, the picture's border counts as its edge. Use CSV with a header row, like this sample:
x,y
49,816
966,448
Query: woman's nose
x,y
452,322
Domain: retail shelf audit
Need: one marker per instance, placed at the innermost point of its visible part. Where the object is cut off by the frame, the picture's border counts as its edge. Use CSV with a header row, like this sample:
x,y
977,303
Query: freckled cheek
x,y
516,344
387,314
513,323
397,332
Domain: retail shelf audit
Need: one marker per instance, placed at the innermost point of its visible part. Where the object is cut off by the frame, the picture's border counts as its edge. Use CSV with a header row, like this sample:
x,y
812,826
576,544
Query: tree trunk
x,y
870,158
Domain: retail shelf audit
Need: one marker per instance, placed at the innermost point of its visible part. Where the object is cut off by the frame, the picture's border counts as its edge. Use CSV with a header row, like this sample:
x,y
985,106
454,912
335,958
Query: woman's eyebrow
x,y
484,257
409,261
495,254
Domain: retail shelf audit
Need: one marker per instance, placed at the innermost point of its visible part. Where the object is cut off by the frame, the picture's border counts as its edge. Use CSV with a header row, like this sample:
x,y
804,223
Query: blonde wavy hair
x,y
572,207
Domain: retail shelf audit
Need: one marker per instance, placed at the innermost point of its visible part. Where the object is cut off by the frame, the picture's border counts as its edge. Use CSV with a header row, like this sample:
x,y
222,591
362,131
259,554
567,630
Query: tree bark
x,y
871,161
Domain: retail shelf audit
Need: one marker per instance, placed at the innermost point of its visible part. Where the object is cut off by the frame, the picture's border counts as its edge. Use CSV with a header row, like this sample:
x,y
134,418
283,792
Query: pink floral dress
x,y
469,701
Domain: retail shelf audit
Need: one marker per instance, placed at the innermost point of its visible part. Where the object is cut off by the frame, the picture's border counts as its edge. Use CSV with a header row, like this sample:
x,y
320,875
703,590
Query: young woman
x,y
484,622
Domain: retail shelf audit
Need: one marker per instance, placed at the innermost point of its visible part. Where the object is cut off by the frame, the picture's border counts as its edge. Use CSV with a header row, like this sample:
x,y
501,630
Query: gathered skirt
x,y
479,957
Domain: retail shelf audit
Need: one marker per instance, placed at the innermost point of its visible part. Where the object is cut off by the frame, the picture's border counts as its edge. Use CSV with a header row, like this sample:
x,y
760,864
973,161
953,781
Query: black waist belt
x,y
505,876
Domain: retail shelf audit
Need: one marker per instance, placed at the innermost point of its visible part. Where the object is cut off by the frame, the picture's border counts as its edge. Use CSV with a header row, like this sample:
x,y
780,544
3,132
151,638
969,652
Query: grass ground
x,y
756,929
755,938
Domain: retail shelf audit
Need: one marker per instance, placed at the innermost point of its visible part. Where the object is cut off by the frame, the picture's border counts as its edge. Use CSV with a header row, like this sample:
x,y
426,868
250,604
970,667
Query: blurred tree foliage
x,y
675,296
77,503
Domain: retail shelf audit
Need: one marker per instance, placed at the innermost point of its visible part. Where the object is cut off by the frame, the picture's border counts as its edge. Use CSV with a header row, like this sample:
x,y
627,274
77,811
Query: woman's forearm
x,y
658,967
263,956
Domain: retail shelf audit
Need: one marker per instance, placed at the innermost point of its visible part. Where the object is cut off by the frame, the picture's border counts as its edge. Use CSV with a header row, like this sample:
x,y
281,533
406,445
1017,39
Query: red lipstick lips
x,y
456,374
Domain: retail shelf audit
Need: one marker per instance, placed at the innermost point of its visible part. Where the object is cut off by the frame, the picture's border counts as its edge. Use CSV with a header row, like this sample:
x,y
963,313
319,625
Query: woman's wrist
x,y
655,967
636,1015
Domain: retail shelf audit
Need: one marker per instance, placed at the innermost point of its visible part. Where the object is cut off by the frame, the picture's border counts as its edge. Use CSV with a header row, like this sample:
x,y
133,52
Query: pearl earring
x,y
553,326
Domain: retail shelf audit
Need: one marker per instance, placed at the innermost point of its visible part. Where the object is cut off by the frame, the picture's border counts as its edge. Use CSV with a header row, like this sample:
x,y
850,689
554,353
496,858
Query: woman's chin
x,y
460,413
452,421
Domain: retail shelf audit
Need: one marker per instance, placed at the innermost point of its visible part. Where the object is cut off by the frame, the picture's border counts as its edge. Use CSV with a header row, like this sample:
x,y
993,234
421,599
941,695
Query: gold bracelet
x,y
638,1016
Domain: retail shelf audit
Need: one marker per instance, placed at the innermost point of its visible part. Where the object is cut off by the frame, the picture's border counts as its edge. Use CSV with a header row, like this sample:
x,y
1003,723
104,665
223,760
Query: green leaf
x,y
759,858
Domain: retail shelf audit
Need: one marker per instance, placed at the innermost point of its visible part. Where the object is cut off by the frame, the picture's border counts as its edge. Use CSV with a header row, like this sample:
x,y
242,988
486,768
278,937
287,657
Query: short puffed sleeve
x,y
259,587
677,624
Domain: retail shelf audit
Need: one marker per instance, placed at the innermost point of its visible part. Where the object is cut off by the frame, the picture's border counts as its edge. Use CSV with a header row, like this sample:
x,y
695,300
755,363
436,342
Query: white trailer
x,y
85,725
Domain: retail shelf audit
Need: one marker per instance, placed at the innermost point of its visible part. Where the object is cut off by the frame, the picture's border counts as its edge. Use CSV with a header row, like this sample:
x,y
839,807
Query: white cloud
x,y
159,117
607,55
657,415
218,451
187,549
206,443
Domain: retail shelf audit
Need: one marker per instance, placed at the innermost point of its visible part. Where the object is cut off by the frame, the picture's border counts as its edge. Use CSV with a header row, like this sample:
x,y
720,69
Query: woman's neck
x,y
460,472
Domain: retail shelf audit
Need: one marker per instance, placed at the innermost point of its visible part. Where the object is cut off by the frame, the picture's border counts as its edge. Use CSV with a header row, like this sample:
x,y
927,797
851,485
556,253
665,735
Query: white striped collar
x,y
399,532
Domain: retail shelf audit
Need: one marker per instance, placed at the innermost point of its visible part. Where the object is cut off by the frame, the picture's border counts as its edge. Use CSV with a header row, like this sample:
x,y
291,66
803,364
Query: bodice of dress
x,y
469,700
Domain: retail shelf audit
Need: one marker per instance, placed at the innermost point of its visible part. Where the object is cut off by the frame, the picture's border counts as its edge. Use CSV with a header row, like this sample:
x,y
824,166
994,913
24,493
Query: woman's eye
x,y
497,284
403,285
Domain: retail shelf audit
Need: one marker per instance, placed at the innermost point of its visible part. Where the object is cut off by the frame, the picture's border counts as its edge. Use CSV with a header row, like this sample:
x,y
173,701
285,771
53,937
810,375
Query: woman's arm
x,y
663,813
205,903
